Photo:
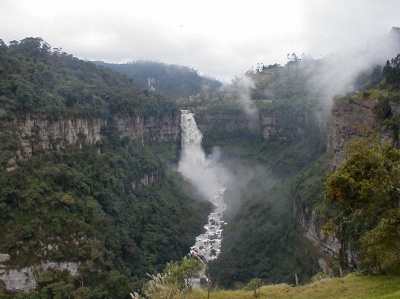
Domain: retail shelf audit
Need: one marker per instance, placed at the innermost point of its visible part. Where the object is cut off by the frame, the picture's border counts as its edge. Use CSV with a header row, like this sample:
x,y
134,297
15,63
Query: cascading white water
x,y
203,173
207,176
192,151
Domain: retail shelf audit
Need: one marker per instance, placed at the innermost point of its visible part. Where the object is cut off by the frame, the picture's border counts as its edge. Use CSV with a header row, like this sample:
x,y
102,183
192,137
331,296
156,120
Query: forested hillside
x,y
263,240
363,192
171,80
111,207
89,202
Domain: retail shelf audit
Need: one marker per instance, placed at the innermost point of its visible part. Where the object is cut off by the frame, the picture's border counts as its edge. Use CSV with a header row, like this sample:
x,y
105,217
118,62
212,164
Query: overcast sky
x,y
221,38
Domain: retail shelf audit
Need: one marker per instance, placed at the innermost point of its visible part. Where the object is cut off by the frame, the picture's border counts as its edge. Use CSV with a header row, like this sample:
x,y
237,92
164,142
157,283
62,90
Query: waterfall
x,y
208,177
192,152
194,165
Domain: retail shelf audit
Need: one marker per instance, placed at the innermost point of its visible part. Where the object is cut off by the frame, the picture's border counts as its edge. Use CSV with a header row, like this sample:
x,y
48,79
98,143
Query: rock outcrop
x,y
24,279
234,122
268,125
352,120
349,120
42,134
273,127
147,180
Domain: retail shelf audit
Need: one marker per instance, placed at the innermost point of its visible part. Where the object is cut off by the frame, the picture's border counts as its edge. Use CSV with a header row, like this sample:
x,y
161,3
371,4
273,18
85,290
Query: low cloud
x,y
223,38
337,73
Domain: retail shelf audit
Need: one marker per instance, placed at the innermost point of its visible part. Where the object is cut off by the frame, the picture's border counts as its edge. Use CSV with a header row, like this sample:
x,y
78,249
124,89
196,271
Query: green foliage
x,y
262,241
170,80
309,186
254,285
50,84
90,204
287,82
79,205
380,247
366,188
218,102
391,71
55,284
175,279
350,287
383,110
181,273
319,276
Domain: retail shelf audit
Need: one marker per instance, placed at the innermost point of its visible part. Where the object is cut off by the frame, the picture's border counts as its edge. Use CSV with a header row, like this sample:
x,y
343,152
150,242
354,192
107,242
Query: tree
x,y
381,245
254,285
391,71
366,188
175,279
3,47
181,273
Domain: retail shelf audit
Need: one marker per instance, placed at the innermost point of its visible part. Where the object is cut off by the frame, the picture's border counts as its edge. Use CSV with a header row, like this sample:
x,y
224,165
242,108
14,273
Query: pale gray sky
x,y
221,38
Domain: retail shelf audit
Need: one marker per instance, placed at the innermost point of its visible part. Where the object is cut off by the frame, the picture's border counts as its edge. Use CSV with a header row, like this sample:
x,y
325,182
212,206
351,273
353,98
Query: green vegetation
x,y
176,279
391,70
87,203
51,84
308,188
366,190
352,286
82,204
170,80
263,241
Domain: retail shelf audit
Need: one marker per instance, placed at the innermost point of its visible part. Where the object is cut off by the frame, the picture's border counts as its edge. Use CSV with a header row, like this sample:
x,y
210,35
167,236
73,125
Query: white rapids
x,y
208,245
206,175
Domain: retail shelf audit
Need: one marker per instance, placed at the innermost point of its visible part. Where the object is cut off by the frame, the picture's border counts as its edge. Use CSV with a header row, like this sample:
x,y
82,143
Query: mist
x,y
239,178
205,173
337,73
219,38
244,86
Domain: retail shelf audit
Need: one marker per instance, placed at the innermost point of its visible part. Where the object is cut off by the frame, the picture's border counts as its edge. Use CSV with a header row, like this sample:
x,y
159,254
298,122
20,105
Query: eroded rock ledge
x,y
24,279
41,134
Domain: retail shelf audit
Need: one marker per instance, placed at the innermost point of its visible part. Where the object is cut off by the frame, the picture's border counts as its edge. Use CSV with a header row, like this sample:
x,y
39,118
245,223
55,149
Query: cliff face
x,y
280,127
41,134
268,125
349,121
36,133
328,246
354,120
227,123
24,279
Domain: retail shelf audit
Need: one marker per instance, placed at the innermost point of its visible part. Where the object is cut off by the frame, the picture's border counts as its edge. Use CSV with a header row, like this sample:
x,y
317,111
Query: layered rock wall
x,y
24,279
279,127
353,120
36,133
268,125
42,134
226,122
349,121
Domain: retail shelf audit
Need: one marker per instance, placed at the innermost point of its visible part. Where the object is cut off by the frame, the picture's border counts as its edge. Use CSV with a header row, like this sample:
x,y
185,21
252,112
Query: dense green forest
x,y
78,203
171,80
362,195
263,239
46,82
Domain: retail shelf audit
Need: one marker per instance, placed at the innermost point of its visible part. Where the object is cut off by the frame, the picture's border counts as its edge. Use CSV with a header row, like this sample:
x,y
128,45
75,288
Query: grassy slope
x,y
352,286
